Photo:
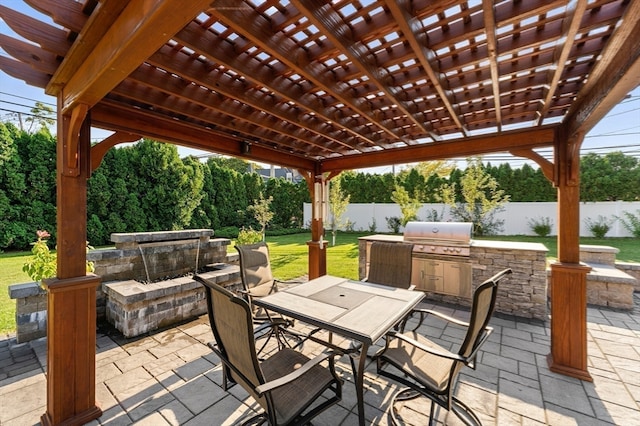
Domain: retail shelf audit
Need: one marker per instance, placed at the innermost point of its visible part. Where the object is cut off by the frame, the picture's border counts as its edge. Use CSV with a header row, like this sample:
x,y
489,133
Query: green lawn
x,y
289,260
11,264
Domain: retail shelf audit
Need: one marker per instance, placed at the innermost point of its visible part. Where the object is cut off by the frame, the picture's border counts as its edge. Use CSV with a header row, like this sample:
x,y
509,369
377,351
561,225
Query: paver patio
x,y
172,377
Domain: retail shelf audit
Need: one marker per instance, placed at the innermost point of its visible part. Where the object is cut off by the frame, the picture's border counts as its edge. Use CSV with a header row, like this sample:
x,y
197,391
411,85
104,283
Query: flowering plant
x,y
43,263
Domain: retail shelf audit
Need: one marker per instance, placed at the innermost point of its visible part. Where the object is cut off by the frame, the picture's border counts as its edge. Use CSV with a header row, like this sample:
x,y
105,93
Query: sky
x,y
619,130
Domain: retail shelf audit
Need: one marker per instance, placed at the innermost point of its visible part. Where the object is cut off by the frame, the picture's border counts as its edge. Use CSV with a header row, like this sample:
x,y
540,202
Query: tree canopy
x,y
147,186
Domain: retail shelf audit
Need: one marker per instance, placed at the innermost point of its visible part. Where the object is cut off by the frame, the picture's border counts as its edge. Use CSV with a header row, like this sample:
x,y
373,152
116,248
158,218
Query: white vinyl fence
x,y
516,216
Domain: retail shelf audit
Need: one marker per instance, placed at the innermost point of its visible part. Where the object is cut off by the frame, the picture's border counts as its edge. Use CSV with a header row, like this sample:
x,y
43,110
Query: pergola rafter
x,y
319,87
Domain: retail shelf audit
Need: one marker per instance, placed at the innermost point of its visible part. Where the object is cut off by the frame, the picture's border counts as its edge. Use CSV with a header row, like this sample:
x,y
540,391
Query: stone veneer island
x,y
523,293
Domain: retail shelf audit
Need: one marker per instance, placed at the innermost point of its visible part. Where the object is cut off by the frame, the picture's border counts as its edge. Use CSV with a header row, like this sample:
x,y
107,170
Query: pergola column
x,y
318,188
568,286
71,299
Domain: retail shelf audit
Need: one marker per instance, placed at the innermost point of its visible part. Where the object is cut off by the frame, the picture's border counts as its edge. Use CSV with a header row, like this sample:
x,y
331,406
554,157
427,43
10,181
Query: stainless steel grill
x,y
441,257
440,238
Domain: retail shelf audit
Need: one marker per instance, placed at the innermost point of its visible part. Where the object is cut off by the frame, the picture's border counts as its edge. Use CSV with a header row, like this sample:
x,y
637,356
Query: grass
x,y
11,265
289,259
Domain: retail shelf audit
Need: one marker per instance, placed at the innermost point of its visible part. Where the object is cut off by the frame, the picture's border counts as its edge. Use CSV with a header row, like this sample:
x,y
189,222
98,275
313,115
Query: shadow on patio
x,y
172,377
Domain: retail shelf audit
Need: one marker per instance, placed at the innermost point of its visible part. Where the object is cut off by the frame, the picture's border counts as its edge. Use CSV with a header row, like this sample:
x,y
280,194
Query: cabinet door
x,y
458,278
427,274
433,267
433,283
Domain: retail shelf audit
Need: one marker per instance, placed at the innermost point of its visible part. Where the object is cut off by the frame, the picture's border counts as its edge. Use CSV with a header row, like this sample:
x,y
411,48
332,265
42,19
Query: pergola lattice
x,y
320,87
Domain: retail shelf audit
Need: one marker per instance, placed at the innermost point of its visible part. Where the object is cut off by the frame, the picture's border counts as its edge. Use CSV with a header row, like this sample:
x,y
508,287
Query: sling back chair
x,y
390,264
429,369
286,384
258,281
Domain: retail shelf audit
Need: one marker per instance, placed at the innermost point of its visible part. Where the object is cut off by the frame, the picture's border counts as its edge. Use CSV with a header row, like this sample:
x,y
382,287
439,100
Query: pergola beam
x,y
576,10
259,31
478,145
613,77
339,34
416,37
111,117
140,29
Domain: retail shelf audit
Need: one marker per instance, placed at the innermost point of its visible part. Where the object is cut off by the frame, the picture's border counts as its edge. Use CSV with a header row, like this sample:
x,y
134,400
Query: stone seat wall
x,y
608,283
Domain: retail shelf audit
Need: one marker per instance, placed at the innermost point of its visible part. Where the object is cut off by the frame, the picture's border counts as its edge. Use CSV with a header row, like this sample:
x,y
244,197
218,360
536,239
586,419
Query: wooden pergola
x,y
320,87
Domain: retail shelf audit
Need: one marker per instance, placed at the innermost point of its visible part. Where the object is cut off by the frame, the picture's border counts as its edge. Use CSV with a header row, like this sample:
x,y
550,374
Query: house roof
x,y
326,86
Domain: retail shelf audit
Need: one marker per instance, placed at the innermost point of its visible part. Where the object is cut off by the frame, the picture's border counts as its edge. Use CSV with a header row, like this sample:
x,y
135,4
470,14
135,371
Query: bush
x,y
540,226
599,227
394,223
433,215
372,225
230,232
631,222
249,236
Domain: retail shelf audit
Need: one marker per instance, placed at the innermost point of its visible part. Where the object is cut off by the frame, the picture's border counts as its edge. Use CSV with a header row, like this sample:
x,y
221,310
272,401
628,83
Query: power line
x,y
27,99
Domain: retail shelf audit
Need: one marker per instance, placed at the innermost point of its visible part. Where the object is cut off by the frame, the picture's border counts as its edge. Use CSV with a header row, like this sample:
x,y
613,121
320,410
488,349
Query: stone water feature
x,y
147,277
146,281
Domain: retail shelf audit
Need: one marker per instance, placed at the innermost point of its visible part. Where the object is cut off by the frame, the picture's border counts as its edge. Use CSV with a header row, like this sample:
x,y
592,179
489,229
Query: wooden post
x,y
317,245
568,287
71,300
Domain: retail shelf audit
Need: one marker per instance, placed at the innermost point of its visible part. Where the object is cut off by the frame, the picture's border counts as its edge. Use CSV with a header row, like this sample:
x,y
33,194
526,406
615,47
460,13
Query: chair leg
x,y
404,394
464,413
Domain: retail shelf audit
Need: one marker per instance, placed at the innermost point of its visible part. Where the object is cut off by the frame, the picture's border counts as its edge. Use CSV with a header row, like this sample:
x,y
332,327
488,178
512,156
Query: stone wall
x,y
31,311
607,283
152,256
137,259
135,308
633,269
523,293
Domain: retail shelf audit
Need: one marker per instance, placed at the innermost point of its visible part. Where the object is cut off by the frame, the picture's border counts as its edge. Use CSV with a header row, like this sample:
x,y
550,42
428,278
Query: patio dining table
x,y
360,311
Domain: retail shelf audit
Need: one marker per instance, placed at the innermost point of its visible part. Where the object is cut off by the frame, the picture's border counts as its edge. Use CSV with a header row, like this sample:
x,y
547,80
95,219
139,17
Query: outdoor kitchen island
x,y
523,294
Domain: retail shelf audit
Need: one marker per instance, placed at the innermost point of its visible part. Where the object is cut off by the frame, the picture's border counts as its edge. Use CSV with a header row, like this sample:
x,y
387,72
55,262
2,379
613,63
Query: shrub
x,y
230,232
394,223
372,225
540,226
249,236
433,215
600,226
631,222
43,263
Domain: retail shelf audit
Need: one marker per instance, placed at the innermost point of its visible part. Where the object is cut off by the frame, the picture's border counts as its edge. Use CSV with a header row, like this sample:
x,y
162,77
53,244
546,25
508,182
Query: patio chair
x,y
390,264
286,384
258,281
429,369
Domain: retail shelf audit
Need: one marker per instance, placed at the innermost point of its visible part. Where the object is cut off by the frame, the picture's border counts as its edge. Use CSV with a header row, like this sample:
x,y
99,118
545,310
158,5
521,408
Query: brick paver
x,y
172,378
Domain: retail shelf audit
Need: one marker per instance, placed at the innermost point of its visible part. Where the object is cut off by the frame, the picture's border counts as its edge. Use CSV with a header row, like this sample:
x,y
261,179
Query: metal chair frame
x,y
441,395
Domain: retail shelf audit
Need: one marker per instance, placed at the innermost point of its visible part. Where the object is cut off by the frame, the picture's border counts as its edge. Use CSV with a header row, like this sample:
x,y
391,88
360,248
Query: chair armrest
x,y
424,312
287,281
273,384
424,348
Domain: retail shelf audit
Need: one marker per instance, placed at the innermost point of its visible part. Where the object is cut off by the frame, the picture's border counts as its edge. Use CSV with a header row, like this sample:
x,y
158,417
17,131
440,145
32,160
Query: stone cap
x,y
20,291
509,245
598,249
147,237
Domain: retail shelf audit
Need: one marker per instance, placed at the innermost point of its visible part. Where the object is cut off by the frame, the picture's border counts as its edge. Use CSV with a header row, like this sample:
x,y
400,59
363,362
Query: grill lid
x,y
454,233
